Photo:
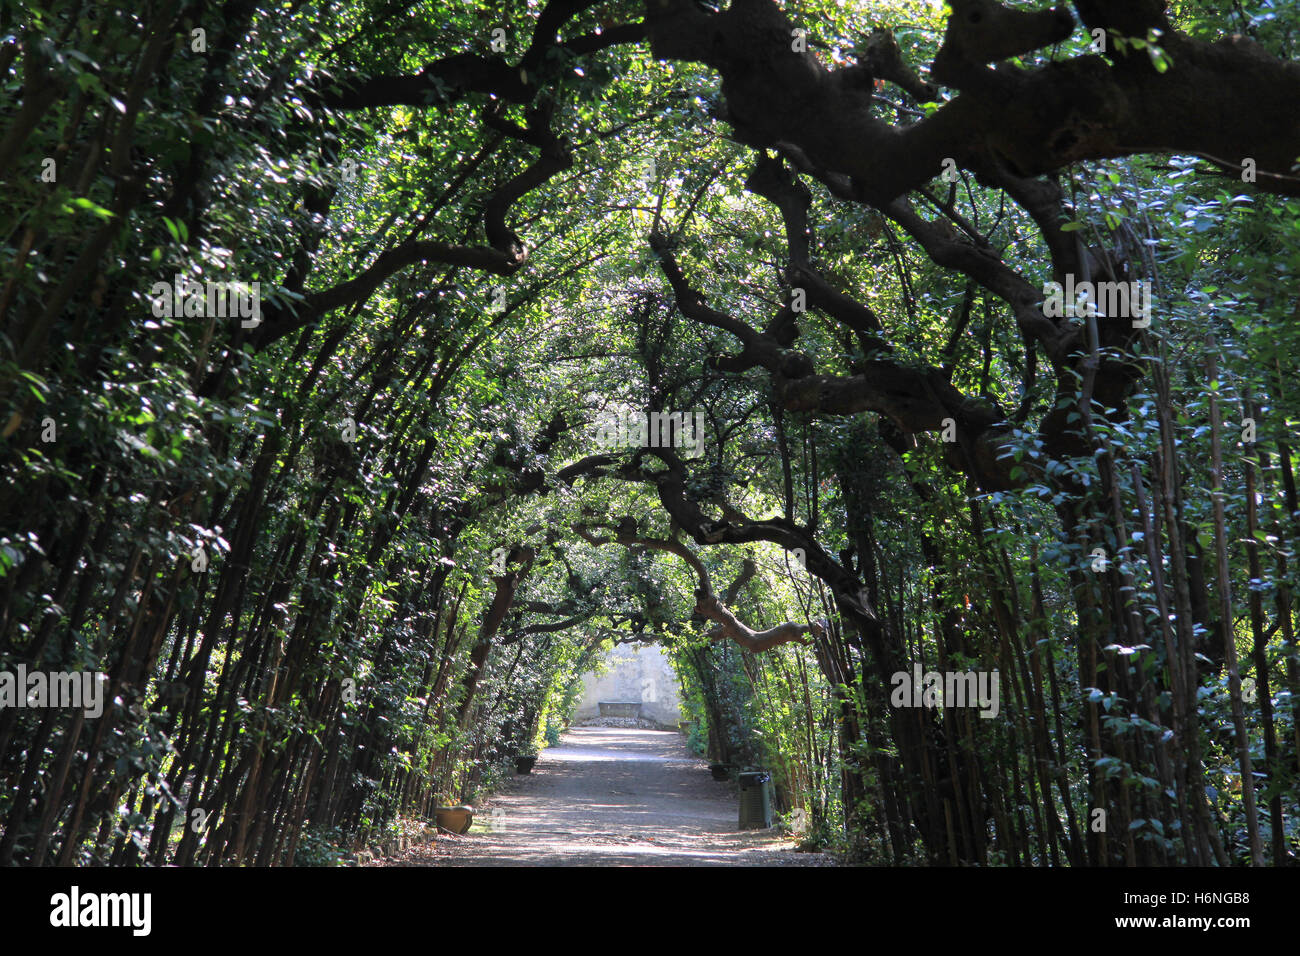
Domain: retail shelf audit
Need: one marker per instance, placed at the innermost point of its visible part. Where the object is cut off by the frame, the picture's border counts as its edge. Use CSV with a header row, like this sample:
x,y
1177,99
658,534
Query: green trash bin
x,y
755,800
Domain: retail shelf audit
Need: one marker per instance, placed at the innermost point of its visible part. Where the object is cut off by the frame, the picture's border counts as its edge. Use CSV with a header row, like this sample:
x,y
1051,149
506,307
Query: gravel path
x,y
612,797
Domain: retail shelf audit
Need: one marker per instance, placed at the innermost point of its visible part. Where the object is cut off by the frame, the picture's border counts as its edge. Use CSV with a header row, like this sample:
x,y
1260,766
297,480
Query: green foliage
x,y
289,539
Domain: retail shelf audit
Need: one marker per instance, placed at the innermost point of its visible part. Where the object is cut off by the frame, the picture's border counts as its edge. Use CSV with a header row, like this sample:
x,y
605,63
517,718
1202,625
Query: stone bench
x,y
620,708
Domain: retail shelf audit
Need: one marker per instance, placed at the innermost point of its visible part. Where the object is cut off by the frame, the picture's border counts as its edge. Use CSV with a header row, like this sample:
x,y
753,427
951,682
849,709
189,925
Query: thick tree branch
x,y
707,604
449,78
505,256
916,399
1225,101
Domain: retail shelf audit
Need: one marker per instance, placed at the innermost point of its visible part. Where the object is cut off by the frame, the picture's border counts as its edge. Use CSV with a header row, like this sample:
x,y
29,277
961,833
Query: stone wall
x,y
633,672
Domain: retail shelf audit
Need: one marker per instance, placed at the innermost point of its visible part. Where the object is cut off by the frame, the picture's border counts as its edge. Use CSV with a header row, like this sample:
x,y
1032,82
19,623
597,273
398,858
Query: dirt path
x,y
612,797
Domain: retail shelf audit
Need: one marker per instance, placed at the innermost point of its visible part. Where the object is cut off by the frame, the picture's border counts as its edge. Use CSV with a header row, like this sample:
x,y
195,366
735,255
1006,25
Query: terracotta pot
x,y
454,819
